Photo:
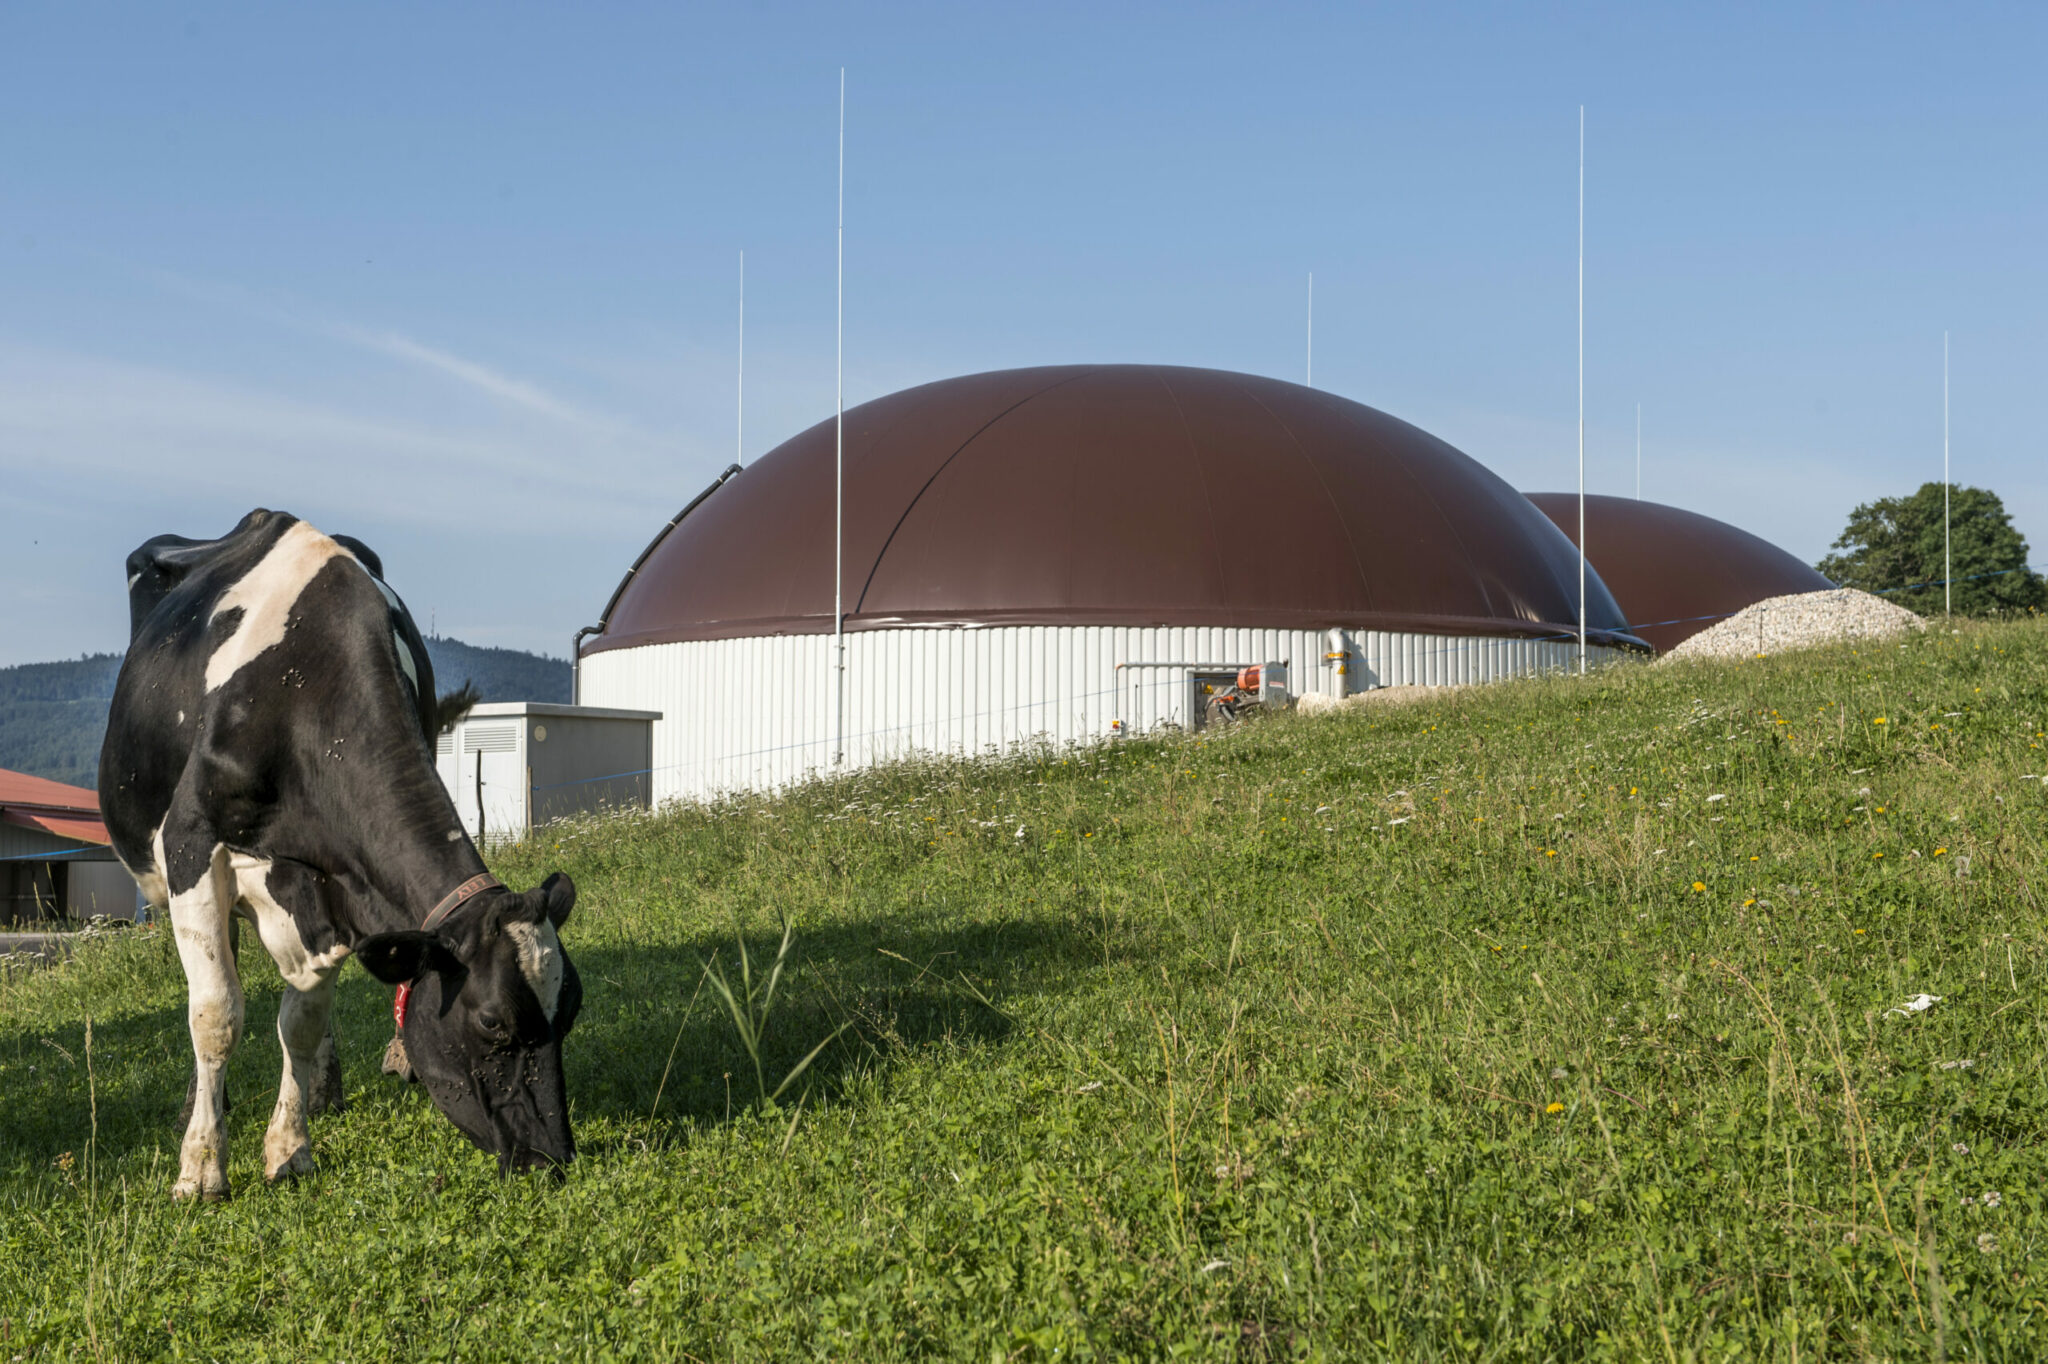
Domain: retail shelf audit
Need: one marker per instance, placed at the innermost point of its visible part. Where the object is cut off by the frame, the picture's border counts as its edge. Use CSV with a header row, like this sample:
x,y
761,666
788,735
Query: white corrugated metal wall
x,y
753,714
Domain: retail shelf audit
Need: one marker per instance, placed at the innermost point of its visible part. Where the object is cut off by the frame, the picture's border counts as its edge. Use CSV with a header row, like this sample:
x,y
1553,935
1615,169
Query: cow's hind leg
x,y
327,1095
213,1011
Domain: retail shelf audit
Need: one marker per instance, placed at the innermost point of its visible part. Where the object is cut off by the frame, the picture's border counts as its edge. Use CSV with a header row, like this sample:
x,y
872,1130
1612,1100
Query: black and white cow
x,y
270,755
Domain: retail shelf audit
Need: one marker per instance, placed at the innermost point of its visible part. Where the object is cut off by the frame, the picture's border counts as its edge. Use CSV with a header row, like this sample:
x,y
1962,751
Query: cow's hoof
x,y
210,1188
299,1162
396,1061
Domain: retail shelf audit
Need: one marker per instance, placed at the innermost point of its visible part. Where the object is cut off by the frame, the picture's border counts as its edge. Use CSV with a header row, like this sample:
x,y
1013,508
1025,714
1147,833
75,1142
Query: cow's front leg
x,y
302,1030
213,1012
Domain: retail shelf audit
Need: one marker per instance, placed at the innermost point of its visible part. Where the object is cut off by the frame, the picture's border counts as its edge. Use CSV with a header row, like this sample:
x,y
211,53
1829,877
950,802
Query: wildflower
x,y
1555,1108
1992,1198
1940,852
1875,856
1550,852
1699,885
1747,903
1987,1243
1559,1072
1960,1149
1879,720
1861,931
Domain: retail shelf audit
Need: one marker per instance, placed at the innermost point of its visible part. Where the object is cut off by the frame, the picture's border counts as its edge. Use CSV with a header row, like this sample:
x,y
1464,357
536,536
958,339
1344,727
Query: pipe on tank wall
x,y
576,662
1337,653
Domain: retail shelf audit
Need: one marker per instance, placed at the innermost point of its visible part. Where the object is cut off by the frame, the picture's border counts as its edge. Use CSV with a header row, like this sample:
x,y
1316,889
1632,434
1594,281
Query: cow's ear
x,y
558,895
396,958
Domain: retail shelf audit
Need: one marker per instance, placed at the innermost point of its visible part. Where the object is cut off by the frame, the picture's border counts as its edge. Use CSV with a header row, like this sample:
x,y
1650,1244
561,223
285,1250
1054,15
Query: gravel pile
x,y
1800,621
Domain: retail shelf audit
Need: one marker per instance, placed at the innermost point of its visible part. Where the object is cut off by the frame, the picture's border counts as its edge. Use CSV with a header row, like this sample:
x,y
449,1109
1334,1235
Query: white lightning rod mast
x,y
1310,377
1582,390
739,436
839,468
1948,571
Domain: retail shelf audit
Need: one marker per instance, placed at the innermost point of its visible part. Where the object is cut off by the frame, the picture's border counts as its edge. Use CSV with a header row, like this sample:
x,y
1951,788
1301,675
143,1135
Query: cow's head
x,y
492,996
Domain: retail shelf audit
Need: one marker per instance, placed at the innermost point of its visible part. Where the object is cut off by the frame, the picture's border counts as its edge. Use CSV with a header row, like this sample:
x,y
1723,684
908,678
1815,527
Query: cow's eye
x,y
491,1023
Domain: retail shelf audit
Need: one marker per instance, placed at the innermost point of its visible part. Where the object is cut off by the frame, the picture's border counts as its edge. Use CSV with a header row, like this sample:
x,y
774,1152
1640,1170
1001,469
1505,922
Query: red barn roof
x,y
39,803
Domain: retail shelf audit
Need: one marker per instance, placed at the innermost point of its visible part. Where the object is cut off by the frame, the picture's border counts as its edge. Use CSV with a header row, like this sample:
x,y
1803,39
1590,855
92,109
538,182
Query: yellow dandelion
x,y
1875,856
1550,852
1860,932
1879,720
1938,852
1699,885
1555,1108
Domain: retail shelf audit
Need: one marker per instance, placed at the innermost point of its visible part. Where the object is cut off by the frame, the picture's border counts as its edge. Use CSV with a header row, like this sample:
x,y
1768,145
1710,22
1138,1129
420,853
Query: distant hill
x,y
53,715
500,674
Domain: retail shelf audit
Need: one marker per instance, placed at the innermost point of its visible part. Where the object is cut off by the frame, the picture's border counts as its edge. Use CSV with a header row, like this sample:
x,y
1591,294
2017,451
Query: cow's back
x,y
246,651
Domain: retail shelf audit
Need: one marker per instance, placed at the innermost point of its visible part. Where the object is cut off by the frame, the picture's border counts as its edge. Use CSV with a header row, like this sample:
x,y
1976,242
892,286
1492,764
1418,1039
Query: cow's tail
x,y
452,706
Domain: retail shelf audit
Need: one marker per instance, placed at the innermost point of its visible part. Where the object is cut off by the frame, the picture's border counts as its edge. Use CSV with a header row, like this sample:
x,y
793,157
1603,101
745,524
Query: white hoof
x,y
299,1162
211,1187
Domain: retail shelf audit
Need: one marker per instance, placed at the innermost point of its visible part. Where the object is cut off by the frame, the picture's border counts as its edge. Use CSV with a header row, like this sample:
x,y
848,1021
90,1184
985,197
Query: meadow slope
x,y
1552,1020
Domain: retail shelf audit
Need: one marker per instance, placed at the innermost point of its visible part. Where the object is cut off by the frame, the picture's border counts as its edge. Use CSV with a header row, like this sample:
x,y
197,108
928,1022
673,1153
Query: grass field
x,y
1546,1021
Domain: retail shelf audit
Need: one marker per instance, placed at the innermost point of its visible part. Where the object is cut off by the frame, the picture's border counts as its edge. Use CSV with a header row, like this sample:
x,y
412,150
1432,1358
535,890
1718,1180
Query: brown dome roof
x,y
1676,572
1117,495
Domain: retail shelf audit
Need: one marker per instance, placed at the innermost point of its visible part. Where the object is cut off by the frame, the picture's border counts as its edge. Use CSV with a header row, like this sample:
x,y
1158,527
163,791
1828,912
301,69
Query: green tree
x,y
1895,543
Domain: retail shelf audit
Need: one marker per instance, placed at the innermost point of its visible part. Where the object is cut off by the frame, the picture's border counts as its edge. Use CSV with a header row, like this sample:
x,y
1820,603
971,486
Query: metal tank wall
x,y
755,714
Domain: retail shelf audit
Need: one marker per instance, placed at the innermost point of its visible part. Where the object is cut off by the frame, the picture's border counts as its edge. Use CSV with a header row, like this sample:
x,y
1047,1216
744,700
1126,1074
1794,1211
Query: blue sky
x,y
462,280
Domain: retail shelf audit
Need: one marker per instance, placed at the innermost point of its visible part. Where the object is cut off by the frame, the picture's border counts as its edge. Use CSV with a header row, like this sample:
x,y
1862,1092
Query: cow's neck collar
x,y
449,903
460,896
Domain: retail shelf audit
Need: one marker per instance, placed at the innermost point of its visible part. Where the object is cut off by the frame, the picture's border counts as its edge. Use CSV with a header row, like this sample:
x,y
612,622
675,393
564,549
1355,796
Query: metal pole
x,y
1310,377
1582,390
739,438
1948,571
839,469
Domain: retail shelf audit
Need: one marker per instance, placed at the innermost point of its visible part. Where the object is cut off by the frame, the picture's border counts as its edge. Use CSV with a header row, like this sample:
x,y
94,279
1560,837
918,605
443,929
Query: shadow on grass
x,y
640,1037
896,987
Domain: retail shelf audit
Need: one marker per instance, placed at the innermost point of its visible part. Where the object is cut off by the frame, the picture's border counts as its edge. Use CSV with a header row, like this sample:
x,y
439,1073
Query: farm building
x,y
55,858
1066,553
512,766
1676,572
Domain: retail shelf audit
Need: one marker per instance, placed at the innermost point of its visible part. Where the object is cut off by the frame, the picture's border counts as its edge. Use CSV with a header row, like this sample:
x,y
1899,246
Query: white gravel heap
x,y
1800,621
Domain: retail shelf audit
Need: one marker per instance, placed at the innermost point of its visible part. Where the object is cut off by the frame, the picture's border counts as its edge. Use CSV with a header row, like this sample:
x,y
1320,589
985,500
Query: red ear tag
x,y
398,1004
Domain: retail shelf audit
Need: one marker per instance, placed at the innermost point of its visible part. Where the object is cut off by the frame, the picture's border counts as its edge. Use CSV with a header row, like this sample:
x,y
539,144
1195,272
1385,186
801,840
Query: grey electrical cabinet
x,y
513,766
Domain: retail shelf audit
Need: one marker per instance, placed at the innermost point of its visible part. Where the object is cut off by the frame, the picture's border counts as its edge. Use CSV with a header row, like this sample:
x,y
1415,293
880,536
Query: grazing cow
x,y
269,755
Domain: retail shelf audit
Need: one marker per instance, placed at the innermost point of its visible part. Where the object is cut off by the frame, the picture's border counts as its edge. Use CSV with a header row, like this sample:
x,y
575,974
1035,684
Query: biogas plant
x,y
1068,553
